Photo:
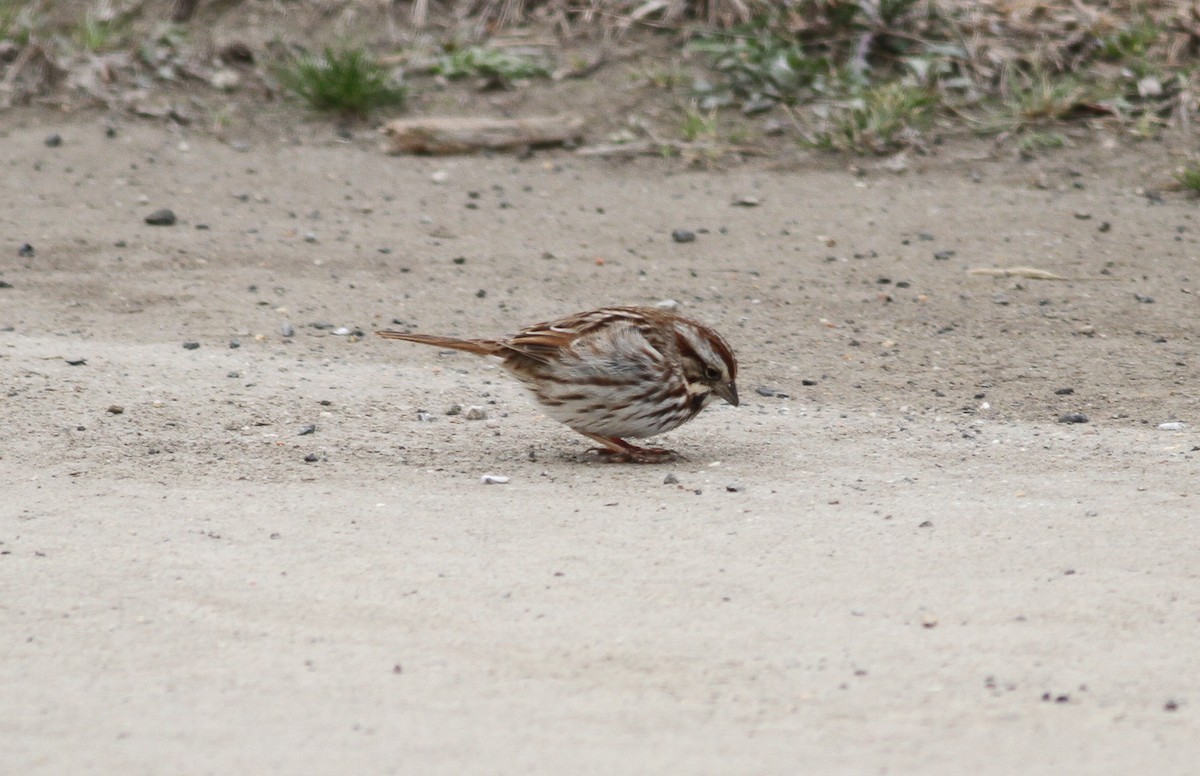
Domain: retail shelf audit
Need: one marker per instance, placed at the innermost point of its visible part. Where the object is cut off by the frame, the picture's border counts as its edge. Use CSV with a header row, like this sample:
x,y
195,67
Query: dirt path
x,y
898,562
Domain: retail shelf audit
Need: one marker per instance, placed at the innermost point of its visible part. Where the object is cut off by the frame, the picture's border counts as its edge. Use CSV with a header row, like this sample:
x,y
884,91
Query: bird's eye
x,y
712,373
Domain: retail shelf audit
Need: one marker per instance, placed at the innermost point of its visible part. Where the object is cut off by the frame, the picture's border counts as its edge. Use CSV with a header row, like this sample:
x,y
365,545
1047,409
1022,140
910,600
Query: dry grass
x,y
862,75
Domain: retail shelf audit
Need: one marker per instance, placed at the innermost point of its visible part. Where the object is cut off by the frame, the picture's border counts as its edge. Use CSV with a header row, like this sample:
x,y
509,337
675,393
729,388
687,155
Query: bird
x,y
614,373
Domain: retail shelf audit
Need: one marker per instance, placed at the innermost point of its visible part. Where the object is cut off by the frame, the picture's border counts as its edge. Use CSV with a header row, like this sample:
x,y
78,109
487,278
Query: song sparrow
x,y
613,373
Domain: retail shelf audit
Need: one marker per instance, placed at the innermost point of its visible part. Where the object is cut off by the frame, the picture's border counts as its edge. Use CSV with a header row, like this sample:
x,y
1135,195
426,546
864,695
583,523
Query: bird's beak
x,y
727,391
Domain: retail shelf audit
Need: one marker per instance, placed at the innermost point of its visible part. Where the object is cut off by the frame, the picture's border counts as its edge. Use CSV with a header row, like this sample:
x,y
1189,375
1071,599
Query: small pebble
x,y
455,409
666,304
310,237
53,140
476,413
746,201
1173,425
25,251
1064,392
670,479
683,235
287,330
311,458
1104,226
76,361
234,344
943,255
162,217
494,479
424,416
306,430
341,331
735,487
1144,299
763,390
191,345
1073,417
115,409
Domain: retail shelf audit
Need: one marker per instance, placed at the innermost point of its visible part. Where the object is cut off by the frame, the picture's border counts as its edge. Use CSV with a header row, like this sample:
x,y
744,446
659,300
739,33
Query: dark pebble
x,y
1064,392
53,140
162,217
1104,226
191,345
1144,299
235,344
683,235
459,259
735,488
1171,705
309,429
481,293
115,409
1073,417
311,458
808,382
670,479
5,284
76,361
25,251
926,524
763,390
943,255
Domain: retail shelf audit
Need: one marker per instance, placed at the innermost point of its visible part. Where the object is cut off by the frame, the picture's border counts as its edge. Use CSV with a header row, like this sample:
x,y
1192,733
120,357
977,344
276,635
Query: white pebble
x,y
1173,425
666,304
494,479
341,331
440,176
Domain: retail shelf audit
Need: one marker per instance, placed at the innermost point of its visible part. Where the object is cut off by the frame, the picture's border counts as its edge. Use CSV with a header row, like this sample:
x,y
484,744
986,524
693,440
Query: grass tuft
x,y
347,81
1189,179
878,120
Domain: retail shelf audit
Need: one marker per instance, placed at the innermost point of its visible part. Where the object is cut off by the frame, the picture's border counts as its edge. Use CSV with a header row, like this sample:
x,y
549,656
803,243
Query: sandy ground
x,y
900,562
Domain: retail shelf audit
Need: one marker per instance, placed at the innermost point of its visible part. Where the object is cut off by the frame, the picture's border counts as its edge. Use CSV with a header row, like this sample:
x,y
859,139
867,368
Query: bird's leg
x,y
616,450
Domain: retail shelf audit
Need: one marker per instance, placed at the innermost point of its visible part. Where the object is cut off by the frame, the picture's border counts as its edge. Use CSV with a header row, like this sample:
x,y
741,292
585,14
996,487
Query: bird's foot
x,y
619,451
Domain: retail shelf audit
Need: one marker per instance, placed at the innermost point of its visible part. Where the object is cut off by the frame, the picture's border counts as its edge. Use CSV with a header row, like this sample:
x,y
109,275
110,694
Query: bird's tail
x,y
477,346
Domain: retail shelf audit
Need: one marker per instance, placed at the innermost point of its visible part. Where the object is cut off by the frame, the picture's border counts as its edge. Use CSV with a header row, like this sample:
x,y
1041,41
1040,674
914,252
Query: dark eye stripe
x,y
715,340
